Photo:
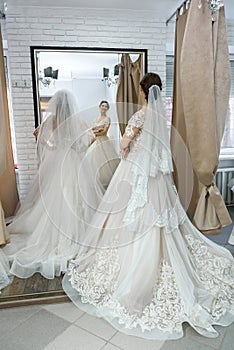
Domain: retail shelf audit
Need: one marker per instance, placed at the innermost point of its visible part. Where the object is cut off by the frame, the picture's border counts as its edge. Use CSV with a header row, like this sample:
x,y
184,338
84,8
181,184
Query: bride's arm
x,y
128,136
102,131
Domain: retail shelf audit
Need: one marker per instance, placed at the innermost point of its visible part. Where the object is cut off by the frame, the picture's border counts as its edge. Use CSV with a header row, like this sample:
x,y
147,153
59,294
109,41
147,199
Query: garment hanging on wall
x,y
128,97
8,188
203,81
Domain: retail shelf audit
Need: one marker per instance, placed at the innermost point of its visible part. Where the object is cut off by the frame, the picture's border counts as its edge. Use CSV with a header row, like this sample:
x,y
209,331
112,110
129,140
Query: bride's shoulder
x,y
137,119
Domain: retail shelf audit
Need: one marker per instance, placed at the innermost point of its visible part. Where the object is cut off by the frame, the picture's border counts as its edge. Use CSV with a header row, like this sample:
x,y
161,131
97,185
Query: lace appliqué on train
x,y
96,285
217,274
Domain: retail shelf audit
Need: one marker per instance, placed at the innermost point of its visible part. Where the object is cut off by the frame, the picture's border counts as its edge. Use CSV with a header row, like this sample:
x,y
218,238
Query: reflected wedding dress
x,y
51,221
102,154
144,267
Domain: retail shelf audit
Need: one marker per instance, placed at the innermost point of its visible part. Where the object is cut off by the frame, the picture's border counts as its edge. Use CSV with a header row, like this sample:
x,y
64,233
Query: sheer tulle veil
x,y
52,219
64,138
153,159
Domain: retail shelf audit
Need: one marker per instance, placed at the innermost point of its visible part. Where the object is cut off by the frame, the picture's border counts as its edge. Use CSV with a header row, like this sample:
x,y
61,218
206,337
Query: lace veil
x,y
155,137
153,159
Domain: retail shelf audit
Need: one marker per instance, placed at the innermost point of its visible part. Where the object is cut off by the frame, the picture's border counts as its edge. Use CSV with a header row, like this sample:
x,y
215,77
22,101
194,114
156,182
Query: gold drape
x,y
128,91
4,235
186,182
204,77
8,189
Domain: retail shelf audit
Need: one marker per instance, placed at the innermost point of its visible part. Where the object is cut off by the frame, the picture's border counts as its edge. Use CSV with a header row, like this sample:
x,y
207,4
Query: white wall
x,y
69,27
28,26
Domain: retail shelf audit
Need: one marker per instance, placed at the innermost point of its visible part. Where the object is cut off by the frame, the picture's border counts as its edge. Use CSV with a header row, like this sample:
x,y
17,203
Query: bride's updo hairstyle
x,y
148,80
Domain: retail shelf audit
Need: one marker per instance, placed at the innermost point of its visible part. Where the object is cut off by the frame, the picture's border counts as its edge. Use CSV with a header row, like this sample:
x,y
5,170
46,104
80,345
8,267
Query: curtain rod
x,y
169,19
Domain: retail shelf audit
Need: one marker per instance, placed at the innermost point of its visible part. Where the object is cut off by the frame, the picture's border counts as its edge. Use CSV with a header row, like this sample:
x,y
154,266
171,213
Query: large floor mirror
x,y
92,75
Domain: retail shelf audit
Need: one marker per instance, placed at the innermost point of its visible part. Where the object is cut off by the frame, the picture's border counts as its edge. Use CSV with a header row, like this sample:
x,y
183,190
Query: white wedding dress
x,y
102,155
5,278
51,222
144,267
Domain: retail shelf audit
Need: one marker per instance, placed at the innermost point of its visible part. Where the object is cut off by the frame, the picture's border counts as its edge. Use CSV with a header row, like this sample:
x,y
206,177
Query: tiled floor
x,y
64,327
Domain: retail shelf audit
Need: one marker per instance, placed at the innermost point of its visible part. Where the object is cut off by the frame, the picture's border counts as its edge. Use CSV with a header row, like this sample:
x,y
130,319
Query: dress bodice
x,y
101,122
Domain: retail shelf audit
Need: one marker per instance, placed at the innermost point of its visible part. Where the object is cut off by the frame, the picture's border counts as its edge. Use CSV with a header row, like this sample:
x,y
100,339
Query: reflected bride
x,y
101,154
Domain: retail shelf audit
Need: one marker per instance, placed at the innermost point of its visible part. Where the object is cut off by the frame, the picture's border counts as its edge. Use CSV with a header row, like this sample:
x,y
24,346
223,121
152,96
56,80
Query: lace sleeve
x,y
136,121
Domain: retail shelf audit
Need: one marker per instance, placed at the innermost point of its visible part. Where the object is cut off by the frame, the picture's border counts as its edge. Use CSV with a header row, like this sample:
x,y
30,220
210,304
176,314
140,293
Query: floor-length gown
x,y
102,154
148,273
51,221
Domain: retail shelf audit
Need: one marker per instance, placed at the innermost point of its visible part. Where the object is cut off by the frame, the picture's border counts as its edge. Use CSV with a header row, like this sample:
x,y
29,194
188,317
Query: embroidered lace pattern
x,y
169,218
217,275
136,121
97,284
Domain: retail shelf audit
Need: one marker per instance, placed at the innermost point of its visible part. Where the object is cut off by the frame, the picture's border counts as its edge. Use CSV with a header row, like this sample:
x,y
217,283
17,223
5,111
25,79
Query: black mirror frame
x,y
34,49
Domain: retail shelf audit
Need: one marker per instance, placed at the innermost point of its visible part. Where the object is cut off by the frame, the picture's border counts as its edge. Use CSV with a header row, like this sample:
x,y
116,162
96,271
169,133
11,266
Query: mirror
x,y
91,74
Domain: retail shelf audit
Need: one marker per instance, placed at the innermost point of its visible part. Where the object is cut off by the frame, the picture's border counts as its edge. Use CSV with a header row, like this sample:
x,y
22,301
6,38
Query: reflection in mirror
x,y
93,77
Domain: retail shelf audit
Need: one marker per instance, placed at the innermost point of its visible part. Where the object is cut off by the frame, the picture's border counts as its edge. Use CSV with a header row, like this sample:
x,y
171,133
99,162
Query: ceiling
x,y
165,8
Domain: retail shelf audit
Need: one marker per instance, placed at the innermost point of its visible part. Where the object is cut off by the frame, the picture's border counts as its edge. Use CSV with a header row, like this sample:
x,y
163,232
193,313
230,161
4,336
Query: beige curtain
x,y
4,235
8,189
184,177
128,94
204,85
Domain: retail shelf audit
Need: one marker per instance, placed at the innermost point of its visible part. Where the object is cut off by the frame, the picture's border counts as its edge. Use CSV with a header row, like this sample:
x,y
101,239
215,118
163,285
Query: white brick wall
x,y
70,27
27,27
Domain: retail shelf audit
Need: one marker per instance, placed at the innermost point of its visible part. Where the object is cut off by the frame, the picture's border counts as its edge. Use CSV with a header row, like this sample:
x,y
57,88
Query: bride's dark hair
x,y
148,80
106,102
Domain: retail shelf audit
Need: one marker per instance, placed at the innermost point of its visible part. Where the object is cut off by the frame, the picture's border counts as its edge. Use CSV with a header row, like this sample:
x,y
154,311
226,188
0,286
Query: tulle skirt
x,y
148,274
103,159
50,224
5,277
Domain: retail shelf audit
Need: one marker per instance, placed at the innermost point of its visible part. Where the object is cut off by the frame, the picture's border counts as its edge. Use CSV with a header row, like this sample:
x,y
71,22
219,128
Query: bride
x,y
144,267
102,155
52,219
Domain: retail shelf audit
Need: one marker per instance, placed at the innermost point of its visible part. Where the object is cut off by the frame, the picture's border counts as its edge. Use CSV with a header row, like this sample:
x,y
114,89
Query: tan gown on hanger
x,y
4,235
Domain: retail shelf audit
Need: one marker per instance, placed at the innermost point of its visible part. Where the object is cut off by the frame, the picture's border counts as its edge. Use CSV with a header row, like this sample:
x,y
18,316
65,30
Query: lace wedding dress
x,y
144,267
102,155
